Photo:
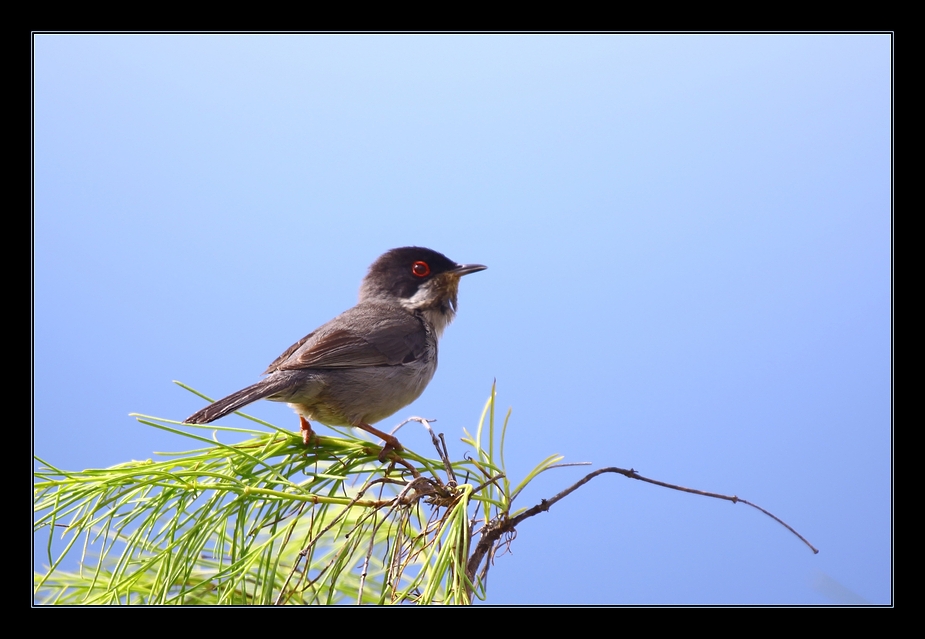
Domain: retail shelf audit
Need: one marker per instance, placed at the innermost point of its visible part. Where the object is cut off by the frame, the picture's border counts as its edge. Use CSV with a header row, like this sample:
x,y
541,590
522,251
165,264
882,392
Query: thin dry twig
x,y
495,529
439,445
490,480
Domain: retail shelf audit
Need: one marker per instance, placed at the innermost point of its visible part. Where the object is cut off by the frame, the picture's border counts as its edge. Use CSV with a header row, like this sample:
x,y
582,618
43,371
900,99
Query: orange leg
x,y
306,429
391,443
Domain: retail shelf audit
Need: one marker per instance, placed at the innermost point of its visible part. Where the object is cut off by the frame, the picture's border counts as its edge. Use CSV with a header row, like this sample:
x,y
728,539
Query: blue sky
x,y
689,249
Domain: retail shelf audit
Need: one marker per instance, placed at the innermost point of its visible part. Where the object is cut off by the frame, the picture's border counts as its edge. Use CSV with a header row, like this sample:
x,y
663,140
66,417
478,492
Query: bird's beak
x,y
465,269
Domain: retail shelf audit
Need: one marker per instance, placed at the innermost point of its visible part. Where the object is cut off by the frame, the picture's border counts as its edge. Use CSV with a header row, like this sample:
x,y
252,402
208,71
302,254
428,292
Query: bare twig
x,y
492,480
439,444
495,529
451,476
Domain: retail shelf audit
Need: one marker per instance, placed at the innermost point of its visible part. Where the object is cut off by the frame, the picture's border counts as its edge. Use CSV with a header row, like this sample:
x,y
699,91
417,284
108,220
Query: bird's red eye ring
x,y
421,269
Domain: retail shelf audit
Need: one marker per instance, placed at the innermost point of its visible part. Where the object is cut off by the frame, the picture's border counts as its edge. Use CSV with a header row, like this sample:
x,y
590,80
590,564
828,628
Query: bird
x,y
370,361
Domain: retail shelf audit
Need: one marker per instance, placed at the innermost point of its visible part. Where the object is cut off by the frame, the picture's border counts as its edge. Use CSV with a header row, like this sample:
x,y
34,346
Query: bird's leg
x,y
306,429
391,443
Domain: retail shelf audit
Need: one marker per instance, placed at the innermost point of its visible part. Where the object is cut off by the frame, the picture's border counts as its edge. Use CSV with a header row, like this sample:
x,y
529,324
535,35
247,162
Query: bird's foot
x,y
306,429
391,442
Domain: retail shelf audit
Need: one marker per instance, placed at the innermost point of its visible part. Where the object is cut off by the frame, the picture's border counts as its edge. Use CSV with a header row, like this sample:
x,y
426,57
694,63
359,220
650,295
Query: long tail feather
x,y
237,400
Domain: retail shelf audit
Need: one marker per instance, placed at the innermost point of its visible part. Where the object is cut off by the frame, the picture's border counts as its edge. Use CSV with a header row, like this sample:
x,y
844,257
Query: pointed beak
x,y
465,269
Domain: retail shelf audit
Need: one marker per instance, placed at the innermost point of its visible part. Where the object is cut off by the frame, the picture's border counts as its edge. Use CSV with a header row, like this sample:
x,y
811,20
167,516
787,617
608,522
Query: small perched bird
x,y
370,361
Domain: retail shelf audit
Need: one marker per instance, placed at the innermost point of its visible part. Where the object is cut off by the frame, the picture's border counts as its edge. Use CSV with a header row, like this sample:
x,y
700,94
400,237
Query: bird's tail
x,y
233,402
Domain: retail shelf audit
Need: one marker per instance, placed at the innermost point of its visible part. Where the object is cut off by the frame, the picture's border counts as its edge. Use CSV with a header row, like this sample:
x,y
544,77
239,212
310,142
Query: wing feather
x,y
366,335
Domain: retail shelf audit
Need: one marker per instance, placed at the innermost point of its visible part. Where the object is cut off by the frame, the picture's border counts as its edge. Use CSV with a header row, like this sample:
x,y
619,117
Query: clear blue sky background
x,y
688,241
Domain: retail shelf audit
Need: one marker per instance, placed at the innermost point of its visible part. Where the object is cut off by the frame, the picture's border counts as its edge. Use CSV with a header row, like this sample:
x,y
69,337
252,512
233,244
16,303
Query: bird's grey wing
x,y
359,339
287,353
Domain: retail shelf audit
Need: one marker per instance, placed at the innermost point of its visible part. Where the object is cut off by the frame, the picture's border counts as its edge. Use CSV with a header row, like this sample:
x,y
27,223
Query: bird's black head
x,y
416,278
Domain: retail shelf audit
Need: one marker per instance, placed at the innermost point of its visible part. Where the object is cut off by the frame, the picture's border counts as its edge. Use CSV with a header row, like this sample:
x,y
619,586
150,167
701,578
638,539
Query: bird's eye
x,y
421,269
